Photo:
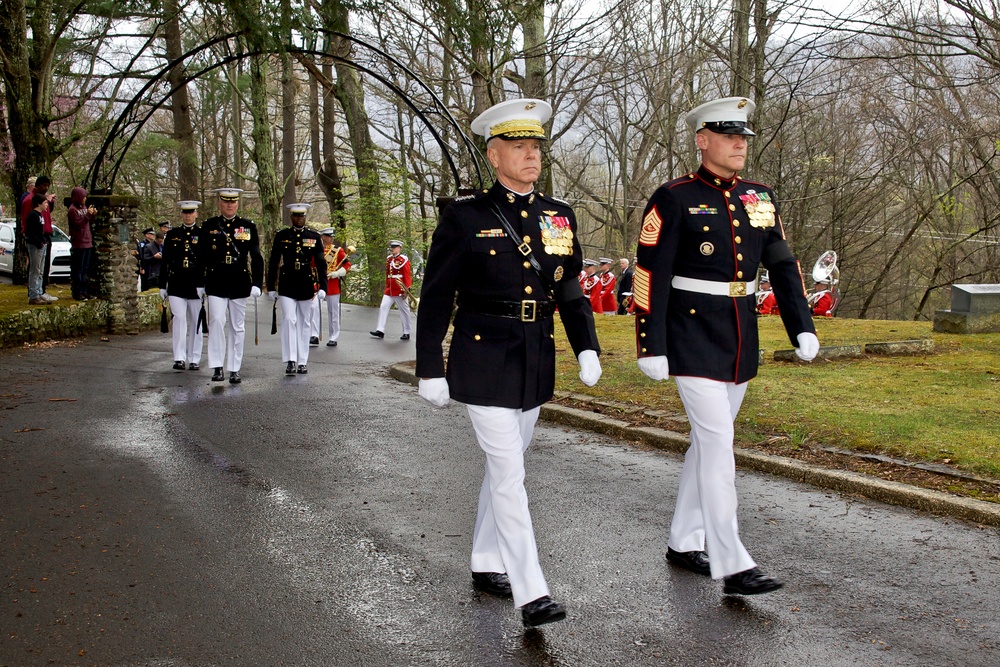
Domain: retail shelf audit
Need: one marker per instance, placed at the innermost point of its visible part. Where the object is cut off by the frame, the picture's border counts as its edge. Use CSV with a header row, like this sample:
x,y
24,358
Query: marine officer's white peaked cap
x,y
299,209
229,194
188,205
590,262
514,119
605,260
726,116
395,244
329,231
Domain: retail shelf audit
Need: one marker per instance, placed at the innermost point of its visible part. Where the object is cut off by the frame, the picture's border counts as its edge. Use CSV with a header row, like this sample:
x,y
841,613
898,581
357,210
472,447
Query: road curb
x,y
842,481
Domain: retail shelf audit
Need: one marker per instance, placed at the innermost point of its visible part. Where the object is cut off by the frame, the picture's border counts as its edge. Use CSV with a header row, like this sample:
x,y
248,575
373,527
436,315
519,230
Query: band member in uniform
x,y
702,238
398,280
234,270
182,285
608,303
337,266
511,255
624,286
766,303
821,300
293,271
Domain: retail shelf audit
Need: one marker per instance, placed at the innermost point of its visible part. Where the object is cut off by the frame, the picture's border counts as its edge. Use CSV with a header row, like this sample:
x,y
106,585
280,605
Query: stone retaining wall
x,y
76,318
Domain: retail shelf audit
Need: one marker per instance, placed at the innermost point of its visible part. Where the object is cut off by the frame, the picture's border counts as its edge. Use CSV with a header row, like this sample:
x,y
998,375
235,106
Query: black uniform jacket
x,y
296,262
181,272
493,360
706,227
625,283
230,252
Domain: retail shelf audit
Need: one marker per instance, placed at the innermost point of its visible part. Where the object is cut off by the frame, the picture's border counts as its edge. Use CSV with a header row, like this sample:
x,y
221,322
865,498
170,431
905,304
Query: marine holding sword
x,y
234,270
511,255
182,285
293,270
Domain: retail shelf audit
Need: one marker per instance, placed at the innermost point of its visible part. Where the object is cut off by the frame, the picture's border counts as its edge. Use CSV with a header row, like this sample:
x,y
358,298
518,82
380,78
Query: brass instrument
x,y
411,300
348,251
825,271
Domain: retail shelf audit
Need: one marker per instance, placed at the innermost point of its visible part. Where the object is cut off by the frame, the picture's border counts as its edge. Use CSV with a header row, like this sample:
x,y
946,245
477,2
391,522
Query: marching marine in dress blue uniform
x,y
234,270
182,284
501,363
703,237
293,270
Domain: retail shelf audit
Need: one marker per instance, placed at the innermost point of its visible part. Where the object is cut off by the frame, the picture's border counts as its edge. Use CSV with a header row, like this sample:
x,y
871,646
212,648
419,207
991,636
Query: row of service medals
x,y
759,208
557,237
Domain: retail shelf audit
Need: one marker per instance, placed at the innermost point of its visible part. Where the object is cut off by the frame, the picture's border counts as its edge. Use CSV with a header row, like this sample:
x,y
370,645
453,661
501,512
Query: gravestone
x,y
974,309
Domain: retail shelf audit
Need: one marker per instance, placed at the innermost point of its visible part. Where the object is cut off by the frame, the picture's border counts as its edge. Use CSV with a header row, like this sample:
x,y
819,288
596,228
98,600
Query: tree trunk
x,y
351,96
288,176
180,106
739,58
535,67
263,150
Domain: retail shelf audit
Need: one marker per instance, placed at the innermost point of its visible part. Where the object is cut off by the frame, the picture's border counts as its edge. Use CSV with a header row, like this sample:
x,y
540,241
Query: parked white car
x,y
59,265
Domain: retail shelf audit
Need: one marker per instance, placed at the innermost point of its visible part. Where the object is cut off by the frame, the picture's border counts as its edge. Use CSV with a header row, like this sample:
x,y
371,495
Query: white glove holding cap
x,y
590,367
200,291
808,346
255,291
163,295
434,391
655,368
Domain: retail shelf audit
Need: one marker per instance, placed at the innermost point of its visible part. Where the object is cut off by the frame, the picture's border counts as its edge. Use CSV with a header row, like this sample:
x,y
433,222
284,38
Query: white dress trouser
x,y
705,515
504,539
404,312
296,325
226,334
186,338
333,317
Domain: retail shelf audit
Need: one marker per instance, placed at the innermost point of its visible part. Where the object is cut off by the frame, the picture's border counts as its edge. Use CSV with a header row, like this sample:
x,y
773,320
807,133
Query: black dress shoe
x,y
192,366
541,611
179,365
302,370
494,583
217,375
290,368
377,333
331,343
314,341
234,377
750,582
405,337
695,561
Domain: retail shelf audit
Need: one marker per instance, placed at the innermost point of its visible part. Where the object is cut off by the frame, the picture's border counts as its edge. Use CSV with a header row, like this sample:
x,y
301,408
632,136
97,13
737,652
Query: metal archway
x,y
156,92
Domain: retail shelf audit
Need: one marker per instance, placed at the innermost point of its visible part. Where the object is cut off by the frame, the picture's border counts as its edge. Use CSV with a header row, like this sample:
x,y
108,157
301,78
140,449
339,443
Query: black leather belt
x,y
526,311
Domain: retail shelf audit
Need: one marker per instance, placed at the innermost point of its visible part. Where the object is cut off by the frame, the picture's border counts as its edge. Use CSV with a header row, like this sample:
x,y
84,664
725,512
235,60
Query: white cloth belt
x,y
714,287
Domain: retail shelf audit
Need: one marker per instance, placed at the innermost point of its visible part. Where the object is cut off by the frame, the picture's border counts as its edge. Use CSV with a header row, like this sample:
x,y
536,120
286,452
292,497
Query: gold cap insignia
x,y
742,104
706,248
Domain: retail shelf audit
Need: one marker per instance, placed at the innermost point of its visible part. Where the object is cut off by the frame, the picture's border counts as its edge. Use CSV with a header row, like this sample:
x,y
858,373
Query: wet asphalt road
x,y
158,518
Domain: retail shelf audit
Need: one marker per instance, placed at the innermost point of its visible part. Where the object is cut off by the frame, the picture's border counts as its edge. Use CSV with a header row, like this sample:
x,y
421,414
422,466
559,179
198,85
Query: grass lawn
x,y
14,298
943,407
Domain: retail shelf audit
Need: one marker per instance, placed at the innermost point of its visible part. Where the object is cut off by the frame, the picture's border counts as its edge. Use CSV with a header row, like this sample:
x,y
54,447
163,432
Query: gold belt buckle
x,y
525,249
737,289
529,310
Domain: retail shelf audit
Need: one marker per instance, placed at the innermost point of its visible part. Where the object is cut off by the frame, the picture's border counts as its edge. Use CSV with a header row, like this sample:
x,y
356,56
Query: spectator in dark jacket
x,y
37,241
42,185
152,253
80,217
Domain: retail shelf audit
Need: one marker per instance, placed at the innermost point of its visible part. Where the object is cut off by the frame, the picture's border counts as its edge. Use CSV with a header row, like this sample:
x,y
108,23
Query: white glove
x,y
339,273
163,295
808,346
656,368
321,294
200,291
255,291
434,391
590,367
273,294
